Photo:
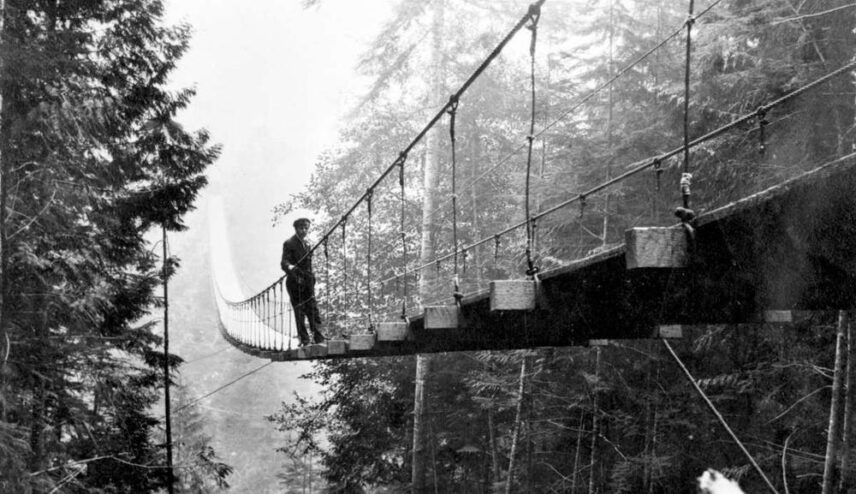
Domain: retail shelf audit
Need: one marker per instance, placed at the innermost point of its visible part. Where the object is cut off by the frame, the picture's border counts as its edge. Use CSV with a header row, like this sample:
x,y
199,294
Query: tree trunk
x,y
848,473
430,181
419,429
609,144
515,435
595,424
577,454
170,474
494,458
4,336
834,432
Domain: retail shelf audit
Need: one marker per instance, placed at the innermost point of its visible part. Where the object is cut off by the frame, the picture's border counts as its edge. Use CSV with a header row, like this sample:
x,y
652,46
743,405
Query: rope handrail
x,y
644,164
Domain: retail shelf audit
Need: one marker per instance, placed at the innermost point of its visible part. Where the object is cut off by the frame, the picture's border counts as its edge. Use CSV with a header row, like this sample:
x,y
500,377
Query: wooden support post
x,y
361,342
513,294
656,247
337,347
443,317
392,331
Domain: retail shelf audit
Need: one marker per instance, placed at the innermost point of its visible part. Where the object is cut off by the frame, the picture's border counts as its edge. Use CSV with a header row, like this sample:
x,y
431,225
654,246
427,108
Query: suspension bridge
x,y
785,249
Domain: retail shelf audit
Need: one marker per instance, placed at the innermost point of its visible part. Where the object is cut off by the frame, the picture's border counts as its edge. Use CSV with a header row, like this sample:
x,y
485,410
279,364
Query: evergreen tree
x,y
92,158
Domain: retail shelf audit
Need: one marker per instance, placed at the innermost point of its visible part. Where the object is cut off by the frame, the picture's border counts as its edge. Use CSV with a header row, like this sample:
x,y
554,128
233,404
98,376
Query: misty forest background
x,y
94,163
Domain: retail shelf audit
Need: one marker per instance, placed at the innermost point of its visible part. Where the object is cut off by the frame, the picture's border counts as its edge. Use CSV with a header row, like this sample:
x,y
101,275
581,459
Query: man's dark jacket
x,y
296,253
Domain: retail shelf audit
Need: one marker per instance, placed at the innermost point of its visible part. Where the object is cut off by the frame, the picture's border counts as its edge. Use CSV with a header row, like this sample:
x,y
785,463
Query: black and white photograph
x,y
428,246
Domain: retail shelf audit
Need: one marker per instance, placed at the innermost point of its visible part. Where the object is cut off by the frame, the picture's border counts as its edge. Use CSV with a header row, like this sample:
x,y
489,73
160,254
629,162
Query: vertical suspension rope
x,y
326,282
369,193
534,15
344,261
276,316
401,159
266,334
453,111
686,176
285,316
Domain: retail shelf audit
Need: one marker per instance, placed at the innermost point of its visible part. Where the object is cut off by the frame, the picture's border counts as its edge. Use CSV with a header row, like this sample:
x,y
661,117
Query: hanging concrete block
x,y
442,317
337,347
778,316
312,351
668,331
361,341
513,294
656,247
392,331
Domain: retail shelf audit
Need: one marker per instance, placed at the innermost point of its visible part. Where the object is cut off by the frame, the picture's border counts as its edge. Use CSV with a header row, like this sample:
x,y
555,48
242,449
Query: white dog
x,y
713,482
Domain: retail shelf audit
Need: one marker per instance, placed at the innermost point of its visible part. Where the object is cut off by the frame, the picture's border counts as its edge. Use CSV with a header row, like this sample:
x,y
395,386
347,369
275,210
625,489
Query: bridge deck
x,y
790,247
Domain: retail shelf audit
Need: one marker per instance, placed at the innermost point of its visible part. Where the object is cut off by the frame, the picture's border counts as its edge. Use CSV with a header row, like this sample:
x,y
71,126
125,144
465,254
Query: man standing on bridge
x,y
300,283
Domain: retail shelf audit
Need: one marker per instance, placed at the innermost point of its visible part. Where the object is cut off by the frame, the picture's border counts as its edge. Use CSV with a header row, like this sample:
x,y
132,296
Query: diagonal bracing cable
x,y
718,415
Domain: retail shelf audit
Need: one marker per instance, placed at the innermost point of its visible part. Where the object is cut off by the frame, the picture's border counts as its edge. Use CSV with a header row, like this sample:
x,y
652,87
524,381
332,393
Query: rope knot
x,y
686,181
687,217
534,12
453,104
690,20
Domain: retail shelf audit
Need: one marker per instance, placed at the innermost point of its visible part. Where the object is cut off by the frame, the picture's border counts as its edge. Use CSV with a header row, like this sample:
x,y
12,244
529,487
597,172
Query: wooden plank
x,y
598,342
442,317
337,347
392,331
361,342
655,247
513,294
